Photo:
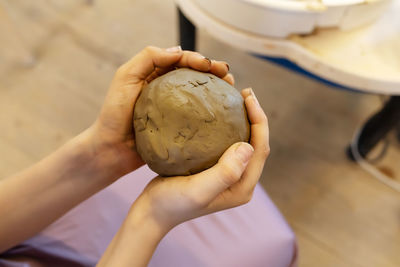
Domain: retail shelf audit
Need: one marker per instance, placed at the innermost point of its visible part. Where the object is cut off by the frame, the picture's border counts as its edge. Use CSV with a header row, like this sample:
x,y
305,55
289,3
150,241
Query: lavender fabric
x,y
253,235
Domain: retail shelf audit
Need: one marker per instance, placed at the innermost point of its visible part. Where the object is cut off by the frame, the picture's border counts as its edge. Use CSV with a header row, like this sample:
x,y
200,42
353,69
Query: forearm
x,y
35,197
135,242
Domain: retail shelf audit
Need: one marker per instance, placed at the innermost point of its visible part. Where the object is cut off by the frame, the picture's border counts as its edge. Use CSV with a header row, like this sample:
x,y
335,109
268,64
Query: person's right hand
x,y
170,201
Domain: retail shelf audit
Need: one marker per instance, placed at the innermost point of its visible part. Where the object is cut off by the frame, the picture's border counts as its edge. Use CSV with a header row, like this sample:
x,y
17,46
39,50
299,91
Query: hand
x,y
112,136
170,201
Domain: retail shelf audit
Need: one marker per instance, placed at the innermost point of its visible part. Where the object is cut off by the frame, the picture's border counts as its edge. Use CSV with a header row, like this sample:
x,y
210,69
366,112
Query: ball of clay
x,y
185,120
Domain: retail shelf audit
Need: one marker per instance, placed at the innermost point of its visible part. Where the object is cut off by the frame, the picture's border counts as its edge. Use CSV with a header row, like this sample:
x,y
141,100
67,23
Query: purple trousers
x,y
252,235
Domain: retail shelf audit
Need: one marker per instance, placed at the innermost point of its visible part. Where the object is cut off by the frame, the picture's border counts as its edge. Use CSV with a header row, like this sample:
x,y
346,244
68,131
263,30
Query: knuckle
x,y
196,200
265,151
246,198
229,175
198,54
149,49
121,70
193,53
265,118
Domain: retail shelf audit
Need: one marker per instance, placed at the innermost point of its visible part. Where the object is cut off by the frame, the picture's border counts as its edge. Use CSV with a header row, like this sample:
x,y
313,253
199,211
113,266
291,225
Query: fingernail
x,y
252,92
227,66
244,151
209,61
254,96
247,91
230,75
174,49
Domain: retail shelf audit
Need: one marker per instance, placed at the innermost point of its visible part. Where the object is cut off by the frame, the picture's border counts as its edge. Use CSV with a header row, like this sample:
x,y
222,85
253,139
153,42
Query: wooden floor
x,y
58,57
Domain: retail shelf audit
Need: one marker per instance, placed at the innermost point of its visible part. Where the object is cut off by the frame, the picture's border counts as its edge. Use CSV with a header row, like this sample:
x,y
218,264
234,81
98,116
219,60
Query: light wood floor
x,y
58,57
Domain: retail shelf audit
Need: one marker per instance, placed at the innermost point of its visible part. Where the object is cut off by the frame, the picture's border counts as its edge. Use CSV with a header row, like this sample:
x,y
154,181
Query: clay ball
x,y
185,120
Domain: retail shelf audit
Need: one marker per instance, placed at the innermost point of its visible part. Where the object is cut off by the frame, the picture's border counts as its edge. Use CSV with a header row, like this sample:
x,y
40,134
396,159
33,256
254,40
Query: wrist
x,y
139,233
141,215
105,161
92,164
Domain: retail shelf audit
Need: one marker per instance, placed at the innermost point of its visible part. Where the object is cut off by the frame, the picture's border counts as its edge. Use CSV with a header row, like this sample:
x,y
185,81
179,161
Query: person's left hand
x,y
167,202
112,136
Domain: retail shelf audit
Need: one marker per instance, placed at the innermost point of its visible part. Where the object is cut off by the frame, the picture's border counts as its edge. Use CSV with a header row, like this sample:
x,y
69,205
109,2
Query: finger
x,y
208,184
143,64
219,68
229,79
194,61
159,72
152,76
246,92
259,140
198,62
241,192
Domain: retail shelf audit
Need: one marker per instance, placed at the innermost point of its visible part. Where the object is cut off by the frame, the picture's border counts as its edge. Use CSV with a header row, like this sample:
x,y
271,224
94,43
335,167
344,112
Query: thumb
x,y
229,169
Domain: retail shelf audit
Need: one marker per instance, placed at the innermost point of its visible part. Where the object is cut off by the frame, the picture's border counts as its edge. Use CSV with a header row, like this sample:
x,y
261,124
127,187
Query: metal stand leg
x,y
187,33
376,128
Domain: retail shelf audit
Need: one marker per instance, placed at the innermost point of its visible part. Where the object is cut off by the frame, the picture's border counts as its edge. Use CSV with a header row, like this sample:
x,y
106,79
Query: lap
x,y
251,235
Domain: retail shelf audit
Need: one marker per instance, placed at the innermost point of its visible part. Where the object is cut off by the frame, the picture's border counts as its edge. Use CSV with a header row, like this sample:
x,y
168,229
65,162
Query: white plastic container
x,y
366,58
281,18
